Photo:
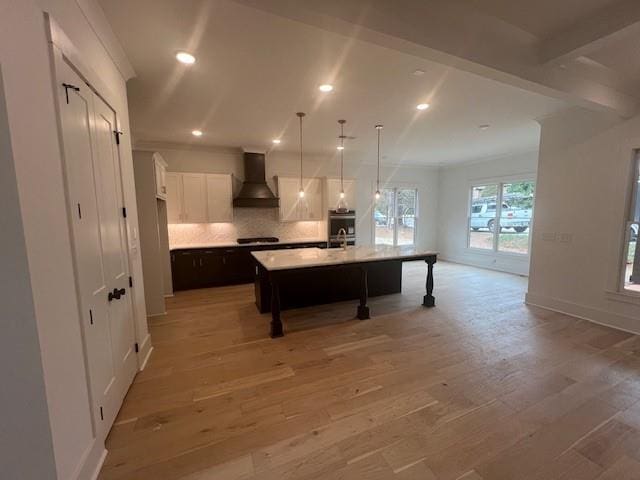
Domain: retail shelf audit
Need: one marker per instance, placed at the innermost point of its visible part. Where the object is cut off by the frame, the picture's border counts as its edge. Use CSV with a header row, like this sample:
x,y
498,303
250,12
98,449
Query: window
x,y
505,229
631,258
395,216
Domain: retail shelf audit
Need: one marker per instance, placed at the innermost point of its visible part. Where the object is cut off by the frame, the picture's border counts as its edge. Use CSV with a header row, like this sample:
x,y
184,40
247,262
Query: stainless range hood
x,y
255,193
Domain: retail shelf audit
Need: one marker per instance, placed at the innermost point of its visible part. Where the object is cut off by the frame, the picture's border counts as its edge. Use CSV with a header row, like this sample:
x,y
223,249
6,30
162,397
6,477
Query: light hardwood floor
x,y
479,388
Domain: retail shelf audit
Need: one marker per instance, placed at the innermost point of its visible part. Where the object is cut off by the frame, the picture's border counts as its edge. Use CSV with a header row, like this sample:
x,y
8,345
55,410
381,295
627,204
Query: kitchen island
x,y
312,276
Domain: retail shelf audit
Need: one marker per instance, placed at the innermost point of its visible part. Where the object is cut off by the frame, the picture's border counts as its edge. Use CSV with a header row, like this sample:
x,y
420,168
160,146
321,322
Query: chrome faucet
x,y
342,232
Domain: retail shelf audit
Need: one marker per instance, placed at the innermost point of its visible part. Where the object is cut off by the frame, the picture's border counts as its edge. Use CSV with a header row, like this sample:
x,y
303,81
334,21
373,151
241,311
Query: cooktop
x,y
258,240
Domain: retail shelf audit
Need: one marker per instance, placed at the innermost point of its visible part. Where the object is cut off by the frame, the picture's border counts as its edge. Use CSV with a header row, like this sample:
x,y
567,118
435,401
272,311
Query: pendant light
x,y
342,206
301,191
379,129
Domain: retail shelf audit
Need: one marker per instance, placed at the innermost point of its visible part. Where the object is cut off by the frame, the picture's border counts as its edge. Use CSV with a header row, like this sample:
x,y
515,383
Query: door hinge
x,y
101,414
117,133
79,212
91,316
130,282
136,347
124,212
68,86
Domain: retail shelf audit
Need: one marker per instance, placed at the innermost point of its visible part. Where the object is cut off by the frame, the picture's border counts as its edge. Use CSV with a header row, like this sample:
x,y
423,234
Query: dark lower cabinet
x,y
213,267
212,271
239,266
183,264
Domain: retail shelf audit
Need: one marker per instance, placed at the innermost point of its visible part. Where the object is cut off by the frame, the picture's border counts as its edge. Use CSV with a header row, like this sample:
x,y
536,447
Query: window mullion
x,y
395,217
496,233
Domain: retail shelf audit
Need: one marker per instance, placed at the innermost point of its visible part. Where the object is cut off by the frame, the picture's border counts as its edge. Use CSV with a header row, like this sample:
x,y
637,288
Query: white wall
x,y
26,449
26,66
287,164
455,184
583,184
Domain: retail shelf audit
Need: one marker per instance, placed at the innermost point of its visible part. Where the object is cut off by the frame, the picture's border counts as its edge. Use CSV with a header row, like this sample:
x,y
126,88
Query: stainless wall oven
x,y
339,220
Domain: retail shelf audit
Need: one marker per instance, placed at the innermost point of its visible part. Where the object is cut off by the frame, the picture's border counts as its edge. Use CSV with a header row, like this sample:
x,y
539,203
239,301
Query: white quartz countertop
x,y
236,244
317,257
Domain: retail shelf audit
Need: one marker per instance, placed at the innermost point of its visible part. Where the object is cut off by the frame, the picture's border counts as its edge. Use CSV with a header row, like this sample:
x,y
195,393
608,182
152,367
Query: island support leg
x,y
429,300
276,322
363,309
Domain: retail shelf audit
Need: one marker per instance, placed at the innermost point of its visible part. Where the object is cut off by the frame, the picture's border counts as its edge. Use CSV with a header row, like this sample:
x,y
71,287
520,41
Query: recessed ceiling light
x,y
325,88
186,58
484,127
418,72
276,141
422,106
196,133
340,147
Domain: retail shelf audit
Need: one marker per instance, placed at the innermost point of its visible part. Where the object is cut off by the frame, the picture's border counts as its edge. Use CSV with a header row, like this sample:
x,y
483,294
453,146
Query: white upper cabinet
x,y
313,200
288,193
219,198
194,198
160,171
199,198
292,207
333,193
174,197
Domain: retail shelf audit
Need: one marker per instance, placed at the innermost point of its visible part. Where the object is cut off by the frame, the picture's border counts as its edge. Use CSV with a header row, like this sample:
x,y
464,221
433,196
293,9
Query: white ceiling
x,y
254,70
542,18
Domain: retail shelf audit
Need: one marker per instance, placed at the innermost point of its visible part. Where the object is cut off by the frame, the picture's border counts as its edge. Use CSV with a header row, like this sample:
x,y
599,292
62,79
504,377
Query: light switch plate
x,y
549,236
565,238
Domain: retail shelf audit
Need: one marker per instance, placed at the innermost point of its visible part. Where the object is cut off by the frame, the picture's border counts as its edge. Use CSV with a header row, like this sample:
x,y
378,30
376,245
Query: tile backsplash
x,y
247,222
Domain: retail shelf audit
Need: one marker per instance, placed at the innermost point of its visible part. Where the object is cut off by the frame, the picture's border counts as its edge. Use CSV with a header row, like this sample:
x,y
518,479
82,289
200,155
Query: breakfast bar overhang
x,y
312,276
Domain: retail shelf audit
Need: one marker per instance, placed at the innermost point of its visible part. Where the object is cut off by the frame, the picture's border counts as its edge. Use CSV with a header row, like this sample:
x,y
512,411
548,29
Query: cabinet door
x,y
239,266
174,198
160,174
183,270
194,198
211,272
313,199
333,193
288,188
219,198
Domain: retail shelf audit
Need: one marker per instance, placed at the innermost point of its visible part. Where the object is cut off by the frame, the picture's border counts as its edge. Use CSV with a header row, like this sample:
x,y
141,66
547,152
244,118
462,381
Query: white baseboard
x,y
91,464
595,315
466,261
144,352
146,359
96,472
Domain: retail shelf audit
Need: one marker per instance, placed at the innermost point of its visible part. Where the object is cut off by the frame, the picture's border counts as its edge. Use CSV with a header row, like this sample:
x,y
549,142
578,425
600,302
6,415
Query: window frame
x,y
632,193
499,183
395,188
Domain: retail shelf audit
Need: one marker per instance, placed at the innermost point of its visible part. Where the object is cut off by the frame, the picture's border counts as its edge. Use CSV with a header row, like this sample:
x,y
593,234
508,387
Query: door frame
x,y
59,47
395,187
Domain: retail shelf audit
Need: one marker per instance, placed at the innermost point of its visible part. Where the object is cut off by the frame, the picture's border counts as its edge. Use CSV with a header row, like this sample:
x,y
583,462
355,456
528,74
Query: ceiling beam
x,y
593,33
458,37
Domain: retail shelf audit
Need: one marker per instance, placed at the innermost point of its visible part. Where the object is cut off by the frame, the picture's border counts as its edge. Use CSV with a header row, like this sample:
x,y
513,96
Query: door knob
x,y
116,294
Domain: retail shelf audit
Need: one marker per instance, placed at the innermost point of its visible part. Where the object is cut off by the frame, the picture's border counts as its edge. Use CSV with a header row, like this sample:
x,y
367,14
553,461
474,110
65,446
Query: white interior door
x,y
94,194
114,245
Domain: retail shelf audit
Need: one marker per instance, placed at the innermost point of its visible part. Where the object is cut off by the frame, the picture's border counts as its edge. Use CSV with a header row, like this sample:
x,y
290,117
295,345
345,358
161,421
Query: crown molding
x,y
150,145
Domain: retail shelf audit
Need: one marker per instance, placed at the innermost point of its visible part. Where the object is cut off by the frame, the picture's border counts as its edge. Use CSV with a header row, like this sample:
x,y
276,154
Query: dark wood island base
x,y
287,288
